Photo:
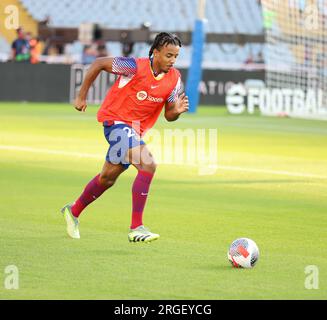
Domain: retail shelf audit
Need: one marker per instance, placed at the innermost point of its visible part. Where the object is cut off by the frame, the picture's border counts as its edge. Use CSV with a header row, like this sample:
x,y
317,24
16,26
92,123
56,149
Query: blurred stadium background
x,y
259,58
110,19
76,32
256,44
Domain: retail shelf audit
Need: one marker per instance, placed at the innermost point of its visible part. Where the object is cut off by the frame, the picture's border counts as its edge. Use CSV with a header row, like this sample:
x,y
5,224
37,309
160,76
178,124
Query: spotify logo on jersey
x,y
141,95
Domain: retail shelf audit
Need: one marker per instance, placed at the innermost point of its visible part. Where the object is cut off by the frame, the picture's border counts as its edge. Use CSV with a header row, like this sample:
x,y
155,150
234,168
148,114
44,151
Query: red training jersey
x,y
137,97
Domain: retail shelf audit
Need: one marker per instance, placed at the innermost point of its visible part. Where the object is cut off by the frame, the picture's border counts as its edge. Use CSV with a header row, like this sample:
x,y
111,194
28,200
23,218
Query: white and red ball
x,y
243,253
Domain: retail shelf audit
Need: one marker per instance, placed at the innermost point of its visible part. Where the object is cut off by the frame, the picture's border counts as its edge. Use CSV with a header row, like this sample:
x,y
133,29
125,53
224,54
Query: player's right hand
x,y
80,104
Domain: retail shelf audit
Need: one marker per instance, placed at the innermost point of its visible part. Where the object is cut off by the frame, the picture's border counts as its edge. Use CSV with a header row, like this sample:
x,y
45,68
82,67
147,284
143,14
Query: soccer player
x,y
131,107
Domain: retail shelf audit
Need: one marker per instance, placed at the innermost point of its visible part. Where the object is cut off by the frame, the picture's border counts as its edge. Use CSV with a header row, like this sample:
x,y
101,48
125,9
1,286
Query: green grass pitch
x,y
271,187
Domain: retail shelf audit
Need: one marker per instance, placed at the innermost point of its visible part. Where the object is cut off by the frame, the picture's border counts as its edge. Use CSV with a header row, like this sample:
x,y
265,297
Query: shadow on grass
x,y
223,267
217,267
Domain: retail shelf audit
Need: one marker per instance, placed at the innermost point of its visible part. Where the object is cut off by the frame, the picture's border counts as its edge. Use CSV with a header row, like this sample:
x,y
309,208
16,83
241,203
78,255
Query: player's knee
x,y
150,167
107,181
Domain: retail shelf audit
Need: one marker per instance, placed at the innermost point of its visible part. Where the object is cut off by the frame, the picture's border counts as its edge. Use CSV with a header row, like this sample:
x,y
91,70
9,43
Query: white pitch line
x,y
219,167
49,151
277,172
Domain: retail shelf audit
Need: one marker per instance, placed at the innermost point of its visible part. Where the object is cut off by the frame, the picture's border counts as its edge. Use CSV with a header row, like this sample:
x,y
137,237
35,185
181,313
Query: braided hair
x,y
163,39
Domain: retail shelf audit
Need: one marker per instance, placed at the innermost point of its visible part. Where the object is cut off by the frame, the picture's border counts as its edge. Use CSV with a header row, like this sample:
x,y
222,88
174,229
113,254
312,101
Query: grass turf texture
x,y
196,216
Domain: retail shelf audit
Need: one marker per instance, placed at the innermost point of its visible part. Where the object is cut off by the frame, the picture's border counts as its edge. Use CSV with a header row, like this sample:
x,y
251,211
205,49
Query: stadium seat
x,y
222,16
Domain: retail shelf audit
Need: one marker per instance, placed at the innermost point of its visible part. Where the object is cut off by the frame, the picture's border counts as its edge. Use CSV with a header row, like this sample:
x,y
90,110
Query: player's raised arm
x,y
116,65
96,67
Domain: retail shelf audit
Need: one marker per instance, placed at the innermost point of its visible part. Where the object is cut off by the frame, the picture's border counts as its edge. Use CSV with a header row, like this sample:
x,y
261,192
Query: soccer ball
x,y
243,253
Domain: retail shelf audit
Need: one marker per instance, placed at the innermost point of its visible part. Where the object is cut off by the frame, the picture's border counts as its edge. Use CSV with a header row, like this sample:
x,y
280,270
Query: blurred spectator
x,y
36,50
28,36
127,48
102,50
249,59
47,46
259,58
52,50
21,47
90,53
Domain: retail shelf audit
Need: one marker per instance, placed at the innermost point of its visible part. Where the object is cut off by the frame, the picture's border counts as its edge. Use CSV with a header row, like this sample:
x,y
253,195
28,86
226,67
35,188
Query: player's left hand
x,y
182,104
